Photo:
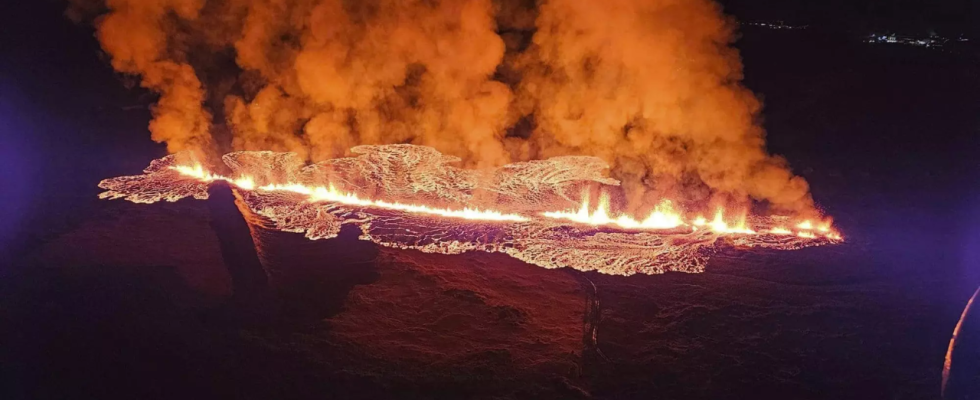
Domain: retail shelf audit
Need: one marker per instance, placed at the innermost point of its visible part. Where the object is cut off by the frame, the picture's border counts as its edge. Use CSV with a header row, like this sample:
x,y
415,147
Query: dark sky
x,y
947,17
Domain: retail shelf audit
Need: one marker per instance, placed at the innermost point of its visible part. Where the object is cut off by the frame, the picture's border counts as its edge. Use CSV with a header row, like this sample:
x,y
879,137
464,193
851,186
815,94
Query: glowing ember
x,y
808,235
780,231
449,210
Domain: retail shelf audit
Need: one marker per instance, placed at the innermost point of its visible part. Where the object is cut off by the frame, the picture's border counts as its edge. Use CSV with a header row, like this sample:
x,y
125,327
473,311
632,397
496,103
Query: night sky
x,y
946,17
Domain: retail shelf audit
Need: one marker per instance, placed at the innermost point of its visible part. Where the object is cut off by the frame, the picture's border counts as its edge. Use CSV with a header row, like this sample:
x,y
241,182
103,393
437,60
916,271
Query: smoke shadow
x,y
250,285
284,276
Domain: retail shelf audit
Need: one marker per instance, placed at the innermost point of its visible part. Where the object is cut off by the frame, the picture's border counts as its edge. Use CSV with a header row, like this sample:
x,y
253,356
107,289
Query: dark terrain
x,y
104,299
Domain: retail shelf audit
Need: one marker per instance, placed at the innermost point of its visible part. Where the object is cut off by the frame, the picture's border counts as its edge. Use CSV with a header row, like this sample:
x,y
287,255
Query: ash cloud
x,y
651,86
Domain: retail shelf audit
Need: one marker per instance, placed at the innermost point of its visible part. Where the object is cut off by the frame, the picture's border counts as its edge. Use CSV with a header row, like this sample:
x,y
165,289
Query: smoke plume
x,y
651,86
136,34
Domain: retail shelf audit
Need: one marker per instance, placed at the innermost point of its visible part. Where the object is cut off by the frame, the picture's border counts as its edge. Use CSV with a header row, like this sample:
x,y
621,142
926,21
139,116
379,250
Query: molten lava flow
x,y
780,231
420,202
198,172
663,216
332,195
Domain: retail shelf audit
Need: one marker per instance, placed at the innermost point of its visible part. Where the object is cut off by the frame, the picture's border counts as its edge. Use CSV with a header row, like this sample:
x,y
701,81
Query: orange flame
x,y
807,229
804,234
664,216
331,194
780,231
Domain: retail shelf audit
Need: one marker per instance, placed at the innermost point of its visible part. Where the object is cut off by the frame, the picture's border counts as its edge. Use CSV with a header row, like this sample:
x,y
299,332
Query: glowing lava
x,y
420,202
666,217
332,195
663,216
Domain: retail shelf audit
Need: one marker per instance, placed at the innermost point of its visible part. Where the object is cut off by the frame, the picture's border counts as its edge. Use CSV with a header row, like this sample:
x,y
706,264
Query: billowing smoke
x,y
651,86
137,36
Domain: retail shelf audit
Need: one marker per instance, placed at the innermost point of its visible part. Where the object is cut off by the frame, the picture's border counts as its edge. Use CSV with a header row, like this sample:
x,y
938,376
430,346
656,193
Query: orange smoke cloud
x,y
134,33
651,86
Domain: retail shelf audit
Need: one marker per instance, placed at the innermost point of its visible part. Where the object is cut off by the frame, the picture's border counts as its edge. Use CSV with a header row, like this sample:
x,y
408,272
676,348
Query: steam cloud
x,y
651,86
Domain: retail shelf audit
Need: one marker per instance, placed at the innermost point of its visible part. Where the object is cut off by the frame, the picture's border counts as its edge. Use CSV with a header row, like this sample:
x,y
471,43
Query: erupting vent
x,y
409,197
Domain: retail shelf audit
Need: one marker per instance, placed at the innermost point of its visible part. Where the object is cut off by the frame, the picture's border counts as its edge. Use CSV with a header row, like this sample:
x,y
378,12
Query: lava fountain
x,y
410,197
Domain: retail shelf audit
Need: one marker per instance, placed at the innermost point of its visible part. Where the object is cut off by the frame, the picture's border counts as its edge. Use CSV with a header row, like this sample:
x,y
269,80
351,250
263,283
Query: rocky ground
x,y
137,301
